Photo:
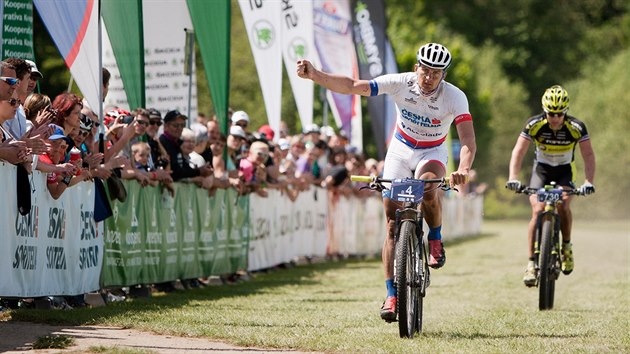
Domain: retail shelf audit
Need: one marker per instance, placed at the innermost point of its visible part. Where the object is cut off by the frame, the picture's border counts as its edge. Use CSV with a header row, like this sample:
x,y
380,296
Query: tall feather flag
x,y
123,20
211,20
369,37
298,43
73,26
332,22
262,22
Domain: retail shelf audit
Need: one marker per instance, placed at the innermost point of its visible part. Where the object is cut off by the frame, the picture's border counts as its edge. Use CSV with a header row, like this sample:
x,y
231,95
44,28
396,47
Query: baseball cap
x,y
238,131
311,128
238,116
171,115
154,113
266,129
283,144
35,73
59,134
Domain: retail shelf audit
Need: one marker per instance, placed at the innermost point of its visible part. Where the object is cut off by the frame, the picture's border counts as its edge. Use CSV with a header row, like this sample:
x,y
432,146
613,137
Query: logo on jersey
x,y
420,120
410,100
433,107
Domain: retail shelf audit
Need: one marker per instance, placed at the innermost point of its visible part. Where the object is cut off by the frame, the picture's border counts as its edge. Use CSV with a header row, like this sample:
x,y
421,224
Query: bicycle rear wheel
x,y
548,260
407,257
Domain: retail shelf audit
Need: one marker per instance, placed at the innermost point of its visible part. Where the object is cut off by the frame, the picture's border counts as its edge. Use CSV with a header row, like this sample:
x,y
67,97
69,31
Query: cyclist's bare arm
x,y
466,135
518,153
337,83
589,160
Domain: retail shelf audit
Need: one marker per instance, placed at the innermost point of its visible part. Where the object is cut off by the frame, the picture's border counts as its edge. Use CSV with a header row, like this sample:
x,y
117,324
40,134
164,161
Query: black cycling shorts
x,y
543,174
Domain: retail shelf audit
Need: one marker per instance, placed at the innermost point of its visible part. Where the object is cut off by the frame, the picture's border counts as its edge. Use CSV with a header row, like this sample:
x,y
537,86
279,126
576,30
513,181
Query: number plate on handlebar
x,y
407,190
551,195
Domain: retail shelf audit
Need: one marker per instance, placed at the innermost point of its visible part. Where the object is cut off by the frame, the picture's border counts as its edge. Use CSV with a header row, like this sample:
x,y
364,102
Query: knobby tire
x,y
406,279
547,264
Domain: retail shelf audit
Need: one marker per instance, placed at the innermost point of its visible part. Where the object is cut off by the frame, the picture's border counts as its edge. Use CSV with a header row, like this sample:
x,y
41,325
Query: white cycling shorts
x,y
401,160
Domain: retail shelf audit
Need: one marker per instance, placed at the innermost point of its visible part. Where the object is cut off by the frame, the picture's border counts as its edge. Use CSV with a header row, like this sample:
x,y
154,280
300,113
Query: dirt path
x,y
18,337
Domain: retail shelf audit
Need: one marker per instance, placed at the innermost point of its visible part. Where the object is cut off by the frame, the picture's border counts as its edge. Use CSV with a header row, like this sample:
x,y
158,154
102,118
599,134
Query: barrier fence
x,y
152,237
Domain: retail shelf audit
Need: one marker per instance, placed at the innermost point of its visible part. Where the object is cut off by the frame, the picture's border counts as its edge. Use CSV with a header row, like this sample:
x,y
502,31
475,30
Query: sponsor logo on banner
x,y
57,223
27,225
25,257
55,257
368,52
264,34
298,49
88,229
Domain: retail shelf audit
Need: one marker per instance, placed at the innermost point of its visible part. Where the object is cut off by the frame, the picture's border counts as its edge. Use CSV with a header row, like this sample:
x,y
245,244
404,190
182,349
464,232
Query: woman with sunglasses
x,y
555,135
11,150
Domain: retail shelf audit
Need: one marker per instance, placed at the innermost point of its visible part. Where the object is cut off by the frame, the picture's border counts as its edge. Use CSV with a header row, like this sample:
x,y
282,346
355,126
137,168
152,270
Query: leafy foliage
x,y
505,54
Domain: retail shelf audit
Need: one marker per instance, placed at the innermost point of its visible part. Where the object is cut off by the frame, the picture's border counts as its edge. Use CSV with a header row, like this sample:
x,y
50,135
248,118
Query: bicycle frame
x,y
411,268
547,245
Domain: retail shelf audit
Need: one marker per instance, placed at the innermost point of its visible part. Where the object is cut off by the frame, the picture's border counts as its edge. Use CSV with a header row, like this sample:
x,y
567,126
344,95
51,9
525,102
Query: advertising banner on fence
x,y
54,250
153,237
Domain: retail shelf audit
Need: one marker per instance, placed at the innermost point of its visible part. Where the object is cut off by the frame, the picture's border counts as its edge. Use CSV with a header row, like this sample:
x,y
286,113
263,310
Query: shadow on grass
x,y
478,335
259,283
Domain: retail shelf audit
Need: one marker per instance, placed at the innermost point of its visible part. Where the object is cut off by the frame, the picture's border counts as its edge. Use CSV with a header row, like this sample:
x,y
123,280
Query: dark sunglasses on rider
x,y
559,114
11,81
155,122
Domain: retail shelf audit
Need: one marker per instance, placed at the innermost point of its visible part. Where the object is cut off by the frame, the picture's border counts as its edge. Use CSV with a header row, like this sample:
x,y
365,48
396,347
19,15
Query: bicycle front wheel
x,y
407,256
547,263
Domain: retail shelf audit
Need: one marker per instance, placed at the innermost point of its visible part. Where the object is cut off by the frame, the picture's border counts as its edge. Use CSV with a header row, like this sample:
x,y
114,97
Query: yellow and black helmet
x,y
555,99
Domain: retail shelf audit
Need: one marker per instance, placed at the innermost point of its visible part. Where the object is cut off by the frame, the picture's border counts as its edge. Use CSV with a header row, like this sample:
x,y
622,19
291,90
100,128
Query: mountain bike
x,y
547,245
411,263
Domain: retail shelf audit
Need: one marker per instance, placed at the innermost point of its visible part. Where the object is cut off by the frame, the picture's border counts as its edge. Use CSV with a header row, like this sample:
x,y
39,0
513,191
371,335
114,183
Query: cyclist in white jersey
x,y
427,106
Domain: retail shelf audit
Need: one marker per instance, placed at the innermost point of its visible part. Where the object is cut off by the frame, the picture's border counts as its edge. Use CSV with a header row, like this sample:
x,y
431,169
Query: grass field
x,y
476,304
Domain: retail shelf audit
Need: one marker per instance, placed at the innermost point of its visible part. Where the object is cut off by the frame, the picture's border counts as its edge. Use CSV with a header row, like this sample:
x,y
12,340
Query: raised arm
x,y
337,83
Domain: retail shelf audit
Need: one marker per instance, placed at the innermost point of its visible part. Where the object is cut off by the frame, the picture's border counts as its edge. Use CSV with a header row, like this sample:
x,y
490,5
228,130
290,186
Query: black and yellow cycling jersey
x,y
555,148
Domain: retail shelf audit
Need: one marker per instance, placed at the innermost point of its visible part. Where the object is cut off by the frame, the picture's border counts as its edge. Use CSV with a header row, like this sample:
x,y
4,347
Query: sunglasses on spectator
x,y
14,102
263,154
84,133
11,81
242,124
143,122
155,122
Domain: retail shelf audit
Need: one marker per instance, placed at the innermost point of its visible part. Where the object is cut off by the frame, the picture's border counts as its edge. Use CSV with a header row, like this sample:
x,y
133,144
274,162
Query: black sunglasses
x,y
155,122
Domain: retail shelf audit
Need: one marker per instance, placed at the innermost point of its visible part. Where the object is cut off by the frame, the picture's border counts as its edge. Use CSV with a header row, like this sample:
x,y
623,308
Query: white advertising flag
x,y
262,23
298,43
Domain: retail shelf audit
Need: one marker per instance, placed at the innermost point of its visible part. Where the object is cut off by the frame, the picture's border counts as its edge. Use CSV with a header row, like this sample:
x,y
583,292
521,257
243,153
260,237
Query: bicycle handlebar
x,y
376,183
531,190
379,180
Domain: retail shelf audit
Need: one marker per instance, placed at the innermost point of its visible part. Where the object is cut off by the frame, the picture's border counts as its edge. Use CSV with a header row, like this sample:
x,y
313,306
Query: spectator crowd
x,y
63,138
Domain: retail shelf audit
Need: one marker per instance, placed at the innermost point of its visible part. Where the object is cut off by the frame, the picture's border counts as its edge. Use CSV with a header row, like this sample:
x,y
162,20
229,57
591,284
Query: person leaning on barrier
x,y
63,175
555,135
174,123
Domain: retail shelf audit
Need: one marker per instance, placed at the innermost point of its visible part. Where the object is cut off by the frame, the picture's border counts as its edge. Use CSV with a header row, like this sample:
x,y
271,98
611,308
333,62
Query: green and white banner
x,y
16,20
153,237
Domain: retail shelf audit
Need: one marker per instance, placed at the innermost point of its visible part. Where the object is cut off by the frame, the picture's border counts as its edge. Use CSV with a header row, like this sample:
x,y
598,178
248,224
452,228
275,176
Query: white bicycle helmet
x,y
434,55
